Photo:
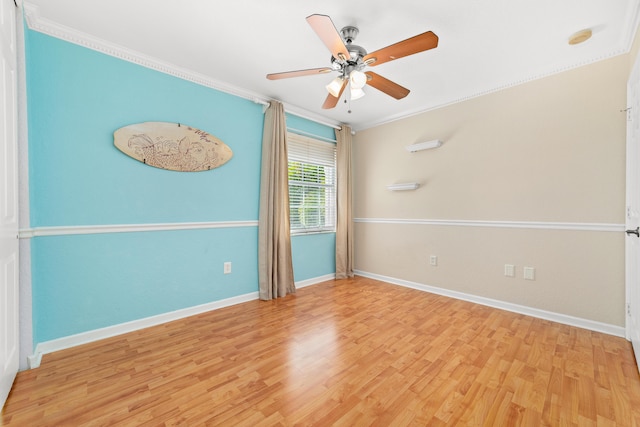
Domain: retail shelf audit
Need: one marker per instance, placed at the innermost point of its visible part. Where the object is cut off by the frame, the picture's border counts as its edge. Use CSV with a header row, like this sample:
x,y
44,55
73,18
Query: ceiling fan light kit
x,y
350,60
357,79
335,86
356,93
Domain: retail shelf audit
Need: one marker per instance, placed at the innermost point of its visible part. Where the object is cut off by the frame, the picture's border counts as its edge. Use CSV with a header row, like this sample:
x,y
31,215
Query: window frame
x,y
320,155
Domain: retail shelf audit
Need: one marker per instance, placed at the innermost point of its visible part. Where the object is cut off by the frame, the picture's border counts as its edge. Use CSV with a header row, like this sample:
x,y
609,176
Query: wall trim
x,y
580,226
64,343
54,29
315,280
38,23
566,319
630,31
45,26
28,233
489,90
123,328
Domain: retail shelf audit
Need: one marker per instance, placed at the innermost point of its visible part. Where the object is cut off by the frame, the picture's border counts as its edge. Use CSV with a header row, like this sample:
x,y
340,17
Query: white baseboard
x,y
315,280
592,325
63,343
123,328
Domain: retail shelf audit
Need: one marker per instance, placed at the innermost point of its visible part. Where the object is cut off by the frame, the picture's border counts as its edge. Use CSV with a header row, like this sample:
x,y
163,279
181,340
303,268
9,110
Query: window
x,y
312,184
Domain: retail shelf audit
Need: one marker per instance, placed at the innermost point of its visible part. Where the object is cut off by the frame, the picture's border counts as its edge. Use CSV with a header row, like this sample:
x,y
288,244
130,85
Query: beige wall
x,y
551,150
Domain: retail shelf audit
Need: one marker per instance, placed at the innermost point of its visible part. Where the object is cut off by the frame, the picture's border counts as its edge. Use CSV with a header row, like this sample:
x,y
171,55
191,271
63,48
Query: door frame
x,y
9,188
632,211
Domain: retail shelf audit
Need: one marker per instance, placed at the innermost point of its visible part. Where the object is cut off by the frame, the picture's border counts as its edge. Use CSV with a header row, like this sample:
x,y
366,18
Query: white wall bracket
x,y
423,145
405,186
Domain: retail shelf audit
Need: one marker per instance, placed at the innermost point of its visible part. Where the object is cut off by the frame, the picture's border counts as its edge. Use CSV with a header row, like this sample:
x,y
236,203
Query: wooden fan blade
x,y
324,28
298,73
386,85
416,44
331,100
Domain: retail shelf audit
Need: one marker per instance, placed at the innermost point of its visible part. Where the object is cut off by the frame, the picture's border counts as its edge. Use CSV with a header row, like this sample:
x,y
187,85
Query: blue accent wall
x,y
314,255
310,128
86,282
77,98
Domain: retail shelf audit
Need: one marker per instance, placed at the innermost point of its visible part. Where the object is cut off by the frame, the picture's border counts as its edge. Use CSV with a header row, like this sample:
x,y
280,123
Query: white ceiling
x,y
485,45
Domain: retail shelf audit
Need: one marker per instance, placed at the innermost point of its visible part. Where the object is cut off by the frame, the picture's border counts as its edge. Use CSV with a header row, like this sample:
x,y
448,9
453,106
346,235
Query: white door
x,y
632,245
8,200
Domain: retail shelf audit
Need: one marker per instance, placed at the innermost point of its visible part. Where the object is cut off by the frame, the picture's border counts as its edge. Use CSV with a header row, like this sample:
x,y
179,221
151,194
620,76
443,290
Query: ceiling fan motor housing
x,y
349,34
356,53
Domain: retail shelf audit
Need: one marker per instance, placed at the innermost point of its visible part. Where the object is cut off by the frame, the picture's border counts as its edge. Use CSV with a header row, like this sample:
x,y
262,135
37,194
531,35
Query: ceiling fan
x,y
349,60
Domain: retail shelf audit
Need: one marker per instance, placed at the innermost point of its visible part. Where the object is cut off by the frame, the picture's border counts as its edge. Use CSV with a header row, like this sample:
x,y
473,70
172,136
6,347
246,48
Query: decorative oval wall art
x,y
172,146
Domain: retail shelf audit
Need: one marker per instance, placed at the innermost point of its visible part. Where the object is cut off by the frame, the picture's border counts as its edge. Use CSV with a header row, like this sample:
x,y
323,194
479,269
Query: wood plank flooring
x,y
352,352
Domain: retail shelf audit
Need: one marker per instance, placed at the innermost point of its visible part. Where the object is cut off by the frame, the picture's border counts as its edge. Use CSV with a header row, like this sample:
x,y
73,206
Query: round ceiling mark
x,y
580,36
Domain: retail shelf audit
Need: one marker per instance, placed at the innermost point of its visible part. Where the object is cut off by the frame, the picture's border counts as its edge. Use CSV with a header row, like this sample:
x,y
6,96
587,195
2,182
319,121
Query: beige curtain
x,y
275,268
344,225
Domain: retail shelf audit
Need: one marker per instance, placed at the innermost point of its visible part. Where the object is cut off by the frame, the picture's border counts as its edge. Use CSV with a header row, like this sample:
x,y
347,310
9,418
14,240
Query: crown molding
x,y
632,25
487,91
37,23
625,47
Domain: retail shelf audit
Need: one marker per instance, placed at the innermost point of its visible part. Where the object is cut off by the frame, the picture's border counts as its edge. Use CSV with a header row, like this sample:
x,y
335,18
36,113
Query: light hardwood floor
x,y
348,352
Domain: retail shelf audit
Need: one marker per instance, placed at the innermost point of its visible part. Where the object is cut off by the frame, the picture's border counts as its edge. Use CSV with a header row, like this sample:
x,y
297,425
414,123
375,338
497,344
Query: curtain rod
x,y
301,115
314,120
305,133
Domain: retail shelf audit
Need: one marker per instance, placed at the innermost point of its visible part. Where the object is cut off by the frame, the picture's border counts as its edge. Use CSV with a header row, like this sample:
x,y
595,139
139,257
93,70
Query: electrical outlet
x,y
509,270
529,273
433,260
227,268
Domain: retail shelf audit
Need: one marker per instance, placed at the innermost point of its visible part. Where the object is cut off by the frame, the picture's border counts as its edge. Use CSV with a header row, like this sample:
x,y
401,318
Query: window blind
x,y
312,184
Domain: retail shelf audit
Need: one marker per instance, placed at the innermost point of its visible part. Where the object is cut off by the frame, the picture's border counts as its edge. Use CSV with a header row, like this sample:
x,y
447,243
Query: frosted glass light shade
x,y
358,79
356,93
334,87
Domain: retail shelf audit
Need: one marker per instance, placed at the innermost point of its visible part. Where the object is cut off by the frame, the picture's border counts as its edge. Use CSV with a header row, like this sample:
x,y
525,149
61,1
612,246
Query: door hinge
x,y
628,309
